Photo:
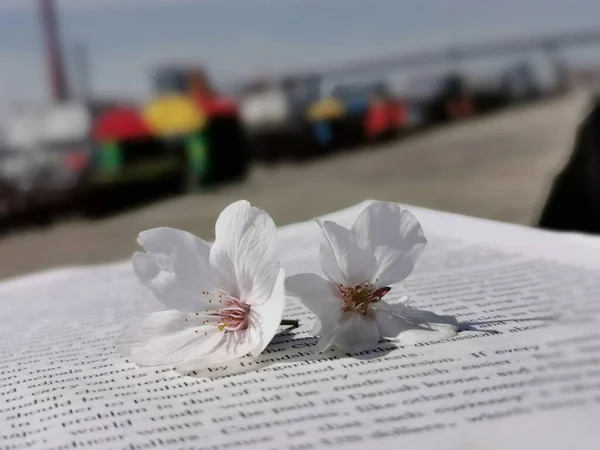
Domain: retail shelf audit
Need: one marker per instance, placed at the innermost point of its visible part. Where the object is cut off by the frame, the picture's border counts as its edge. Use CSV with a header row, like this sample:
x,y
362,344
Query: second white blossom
x,y
361,265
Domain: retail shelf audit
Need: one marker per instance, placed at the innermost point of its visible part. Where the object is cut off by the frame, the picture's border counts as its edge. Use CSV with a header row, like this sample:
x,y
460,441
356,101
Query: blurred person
x,y
574,200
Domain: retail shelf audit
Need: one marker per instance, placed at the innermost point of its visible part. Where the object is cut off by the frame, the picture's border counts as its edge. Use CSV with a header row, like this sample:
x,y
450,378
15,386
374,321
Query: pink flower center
x,y
233,316
360,297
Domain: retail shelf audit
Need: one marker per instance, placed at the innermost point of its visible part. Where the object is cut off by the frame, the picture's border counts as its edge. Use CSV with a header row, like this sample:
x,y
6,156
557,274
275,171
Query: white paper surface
x,y
522,381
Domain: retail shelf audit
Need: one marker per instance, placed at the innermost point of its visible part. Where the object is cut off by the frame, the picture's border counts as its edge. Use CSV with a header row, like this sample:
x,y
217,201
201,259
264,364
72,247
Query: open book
x,y
523,374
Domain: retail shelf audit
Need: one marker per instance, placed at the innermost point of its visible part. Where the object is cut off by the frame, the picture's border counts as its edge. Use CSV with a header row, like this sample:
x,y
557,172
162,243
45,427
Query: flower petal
x,y
357,333
411,325
165,338
386,223
393,265
316,294
327,337
397,239
437,332
175,268
345,258
391,325
418,316
233,345
267,316
245,252
329,264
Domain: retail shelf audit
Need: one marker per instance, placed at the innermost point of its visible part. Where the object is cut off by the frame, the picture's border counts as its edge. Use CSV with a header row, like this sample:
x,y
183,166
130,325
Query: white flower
x,y
360,264
225,300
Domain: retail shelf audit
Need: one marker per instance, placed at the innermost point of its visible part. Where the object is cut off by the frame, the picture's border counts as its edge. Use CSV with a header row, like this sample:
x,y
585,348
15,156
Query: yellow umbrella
x,y
326,109
171,115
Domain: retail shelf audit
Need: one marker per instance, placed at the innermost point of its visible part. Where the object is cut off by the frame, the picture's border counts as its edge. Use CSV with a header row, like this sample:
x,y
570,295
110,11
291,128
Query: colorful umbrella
x,y
173,115
120,123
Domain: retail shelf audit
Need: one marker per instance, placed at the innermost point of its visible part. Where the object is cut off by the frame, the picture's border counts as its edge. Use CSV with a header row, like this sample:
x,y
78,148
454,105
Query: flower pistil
x,y
234,316
360,297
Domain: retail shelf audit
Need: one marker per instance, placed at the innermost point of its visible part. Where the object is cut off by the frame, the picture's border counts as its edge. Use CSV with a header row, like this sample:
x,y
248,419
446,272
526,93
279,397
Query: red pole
x,y
58,82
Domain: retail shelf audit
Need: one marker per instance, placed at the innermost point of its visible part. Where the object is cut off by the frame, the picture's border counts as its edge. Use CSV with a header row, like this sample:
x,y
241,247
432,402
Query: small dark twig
x,y
292,323
467,327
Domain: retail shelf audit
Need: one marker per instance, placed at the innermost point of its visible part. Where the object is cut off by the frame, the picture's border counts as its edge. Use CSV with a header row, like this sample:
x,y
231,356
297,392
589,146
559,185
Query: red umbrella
x,y
120,123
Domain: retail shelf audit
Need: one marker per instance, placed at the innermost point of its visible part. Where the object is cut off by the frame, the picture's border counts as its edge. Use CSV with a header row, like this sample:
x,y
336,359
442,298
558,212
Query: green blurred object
x,y
112,168
144,171
111,160
199,157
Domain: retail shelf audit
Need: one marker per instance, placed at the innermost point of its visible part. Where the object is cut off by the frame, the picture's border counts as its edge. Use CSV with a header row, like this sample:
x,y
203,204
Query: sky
x,y
233,39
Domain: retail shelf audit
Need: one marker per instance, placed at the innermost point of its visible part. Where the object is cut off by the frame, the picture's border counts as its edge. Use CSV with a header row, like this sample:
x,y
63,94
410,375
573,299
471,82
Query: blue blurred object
x,y
323,133
357,96
357,106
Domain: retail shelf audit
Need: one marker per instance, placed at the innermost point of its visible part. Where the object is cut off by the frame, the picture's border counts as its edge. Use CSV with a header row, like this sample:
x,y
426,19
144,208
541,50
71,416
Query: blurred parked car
x,y
326,118
441,98
23,163
488,95
67,151
266,114
515,84
12,199
383,115
341,115
275,115
520,83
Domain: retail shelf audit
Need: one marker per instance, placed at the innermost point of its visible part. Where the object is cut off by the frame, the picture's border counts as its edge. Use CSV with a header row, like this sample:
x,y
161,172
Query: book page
x,y
523,373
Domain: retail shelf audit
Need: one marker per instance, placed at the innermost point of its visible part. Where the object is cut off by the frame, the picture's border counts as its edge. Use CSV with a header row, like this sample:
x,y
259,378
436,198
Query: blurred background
x,y
122,115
